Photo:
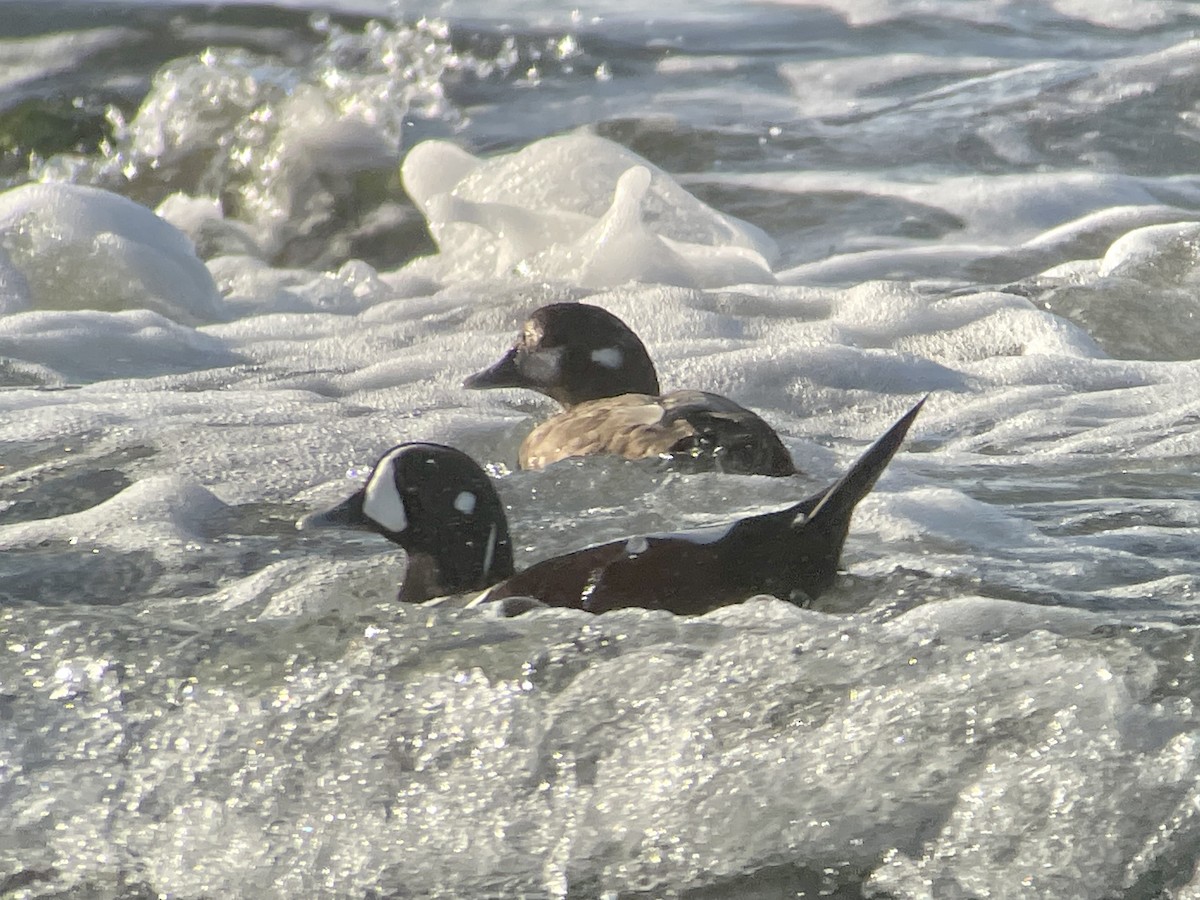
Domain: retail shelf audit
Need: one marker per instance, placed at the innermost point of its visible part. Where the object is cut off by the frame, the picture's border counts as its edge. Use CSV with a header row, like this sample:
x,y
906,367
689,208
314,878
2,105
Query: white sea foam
x,y
87,345
76,247
154,513
536,214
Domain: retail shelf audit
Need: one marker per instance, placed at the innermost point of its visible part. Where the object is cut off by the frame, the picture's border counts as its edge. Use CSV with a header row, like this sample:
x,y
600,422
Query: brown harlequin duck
x,y
436,503
598,369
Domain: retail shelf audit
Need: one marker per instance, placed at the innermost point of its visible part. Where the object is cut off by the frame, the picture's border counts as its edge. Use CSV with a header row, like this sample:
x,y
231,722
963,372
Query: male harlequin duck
x,y
437,504
596,367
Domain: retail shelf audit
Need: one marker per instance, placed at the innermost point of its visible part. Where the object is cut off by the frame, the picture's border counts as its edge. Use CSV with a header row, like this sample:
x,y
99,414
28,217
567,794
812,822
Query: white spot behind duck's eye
x,y
465,503
609,357
382,502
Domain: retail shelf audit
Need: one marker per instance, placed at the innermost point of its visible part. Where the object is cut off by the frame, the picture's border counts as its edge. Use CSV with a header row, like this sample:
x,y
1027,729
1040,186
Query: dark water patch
x,y
26,878
73,574
60,573
1175,651
1162,518
235,543
678,146
806,225
66,110
15,374
901,589
264,519
395,234
67,484
16,456
47,126
1066,480
1131,319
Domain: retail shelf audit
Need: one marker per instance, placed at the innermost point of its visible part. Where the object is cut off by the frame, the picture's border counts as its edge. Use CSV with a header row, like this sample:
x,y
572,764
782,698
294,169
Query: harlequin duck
x,y
598,369
437,504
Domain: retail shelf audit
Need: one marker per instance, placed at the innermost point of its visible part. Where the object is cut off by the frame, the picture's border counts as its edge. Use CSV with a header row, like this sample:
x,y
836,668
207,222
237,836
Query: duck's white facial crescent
x,y
382,503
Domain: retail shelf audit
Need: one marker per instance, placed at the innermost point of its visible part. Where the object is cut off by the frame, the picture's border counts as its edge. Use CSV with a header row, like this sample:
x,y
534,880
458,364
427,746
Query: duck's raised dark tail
x,y
822,521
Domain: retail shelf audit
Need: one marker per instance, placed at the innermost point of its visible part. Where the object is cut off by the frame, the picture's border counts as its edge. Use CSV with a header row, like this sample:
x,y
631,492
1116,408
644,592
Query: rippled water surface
x,y
246,249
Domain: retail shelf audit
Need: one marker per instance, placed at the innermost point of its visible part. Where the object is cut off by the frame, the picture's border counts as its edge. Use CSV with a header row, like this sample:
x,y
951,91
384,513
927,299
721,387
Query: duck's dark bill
x,y
347,514
503,374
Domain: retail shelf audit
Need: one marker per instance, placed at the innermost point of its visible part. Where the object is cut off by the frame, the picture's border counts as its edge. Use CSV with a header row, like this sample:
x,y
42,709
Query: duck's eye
x,y
465,503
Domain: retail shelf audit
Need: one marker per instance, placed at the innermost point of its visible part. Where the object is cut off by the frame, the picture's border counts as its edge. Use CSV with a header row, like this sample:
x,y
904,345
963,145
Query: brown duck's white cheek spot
x,y
609,357
382,503
544,365
465,503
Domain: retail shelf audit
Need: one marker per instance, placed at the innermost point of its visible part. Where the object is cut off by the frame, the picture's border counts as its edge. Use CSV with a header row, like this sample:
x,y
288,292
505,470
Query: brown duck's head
x,y
572,353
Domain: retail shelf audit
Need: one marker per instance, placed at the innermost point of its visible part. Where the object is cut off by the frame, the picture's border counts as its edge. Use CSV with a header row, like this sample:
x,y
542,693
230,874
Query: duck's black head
x,y
572,353
436,503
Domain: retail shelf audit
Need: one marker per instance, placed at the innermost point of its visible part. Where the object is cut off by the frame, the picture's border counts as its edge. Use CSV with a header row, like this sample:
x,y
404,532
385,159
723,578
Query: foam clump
x,y
323,163
155,513
575,208
939,514
70,246
968,617
304,152
93,346
203,220
1107,293
255,288
1160,253
963,328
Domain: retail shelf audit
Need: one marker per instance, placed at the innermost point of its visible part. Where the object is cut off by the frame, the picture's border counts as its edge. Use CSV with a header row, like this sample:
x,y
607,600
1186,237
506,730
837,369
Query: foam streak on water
x,y
244,252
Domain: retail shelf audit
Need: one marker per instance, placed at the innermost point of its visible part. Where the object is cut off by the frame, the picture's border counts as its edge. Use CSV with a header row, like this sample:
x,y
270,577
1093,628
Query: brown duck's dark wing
x,y
726,437
697,431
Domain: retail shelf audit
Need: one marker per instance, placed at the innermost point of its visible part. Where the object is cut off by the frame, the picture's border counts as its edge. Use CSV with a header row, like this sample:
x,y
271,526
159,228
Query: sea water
x,y
245,250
